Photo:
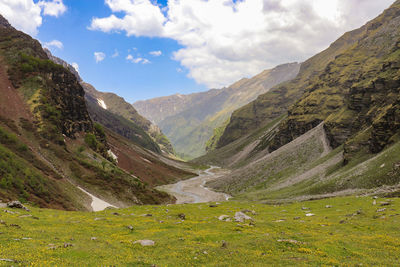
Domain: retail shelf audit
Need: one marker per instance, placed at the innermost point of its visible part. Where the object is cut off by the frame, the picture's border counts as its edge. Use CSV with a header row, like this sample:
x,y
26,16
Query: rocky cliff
x,y
356,94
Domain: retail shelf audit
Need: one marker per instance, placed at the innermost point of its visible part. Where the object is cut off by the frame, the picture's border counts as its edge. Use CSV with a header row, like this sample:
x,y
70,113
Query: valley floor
x,y
194,191
351,231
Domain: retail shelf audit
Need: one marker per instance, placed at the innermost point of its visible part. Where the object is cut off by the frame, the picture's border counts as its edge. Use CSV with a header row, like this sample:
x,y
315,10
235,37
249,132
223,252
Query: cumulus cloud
x,y
75,66
225,40
156,53
55,43
26,15
99,56
137,60
53,8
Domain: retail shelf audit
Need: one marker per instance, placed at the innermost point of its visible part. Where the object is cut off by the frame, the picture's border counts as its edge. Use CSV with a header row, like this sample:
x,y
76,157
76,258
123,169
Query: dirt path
x,y
194,191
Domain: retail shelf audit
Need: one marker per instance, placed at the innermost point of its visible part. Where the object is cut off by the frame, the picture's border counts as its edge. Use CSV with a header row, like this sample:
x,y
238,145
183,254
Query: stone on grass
x,y
310,214
223,217
17,205
241,217
145,243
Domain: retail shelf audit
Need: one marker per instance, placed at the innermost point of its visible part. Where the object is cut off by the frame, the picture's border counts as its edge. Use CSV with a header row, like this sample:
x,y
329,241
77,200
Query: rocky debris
x,y
130,227
25,216
280,220
17,205
224,218
241,217
9,211
145,243
305,208
328,206
385,204
310,214
182,216
381,210
98,219
291,241
93,238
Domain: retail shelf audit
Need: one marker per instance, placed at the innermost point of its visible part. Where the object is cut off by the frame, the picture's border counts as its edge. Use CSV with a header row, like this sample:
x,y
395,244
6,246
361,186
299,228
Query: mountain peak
x,y
4,23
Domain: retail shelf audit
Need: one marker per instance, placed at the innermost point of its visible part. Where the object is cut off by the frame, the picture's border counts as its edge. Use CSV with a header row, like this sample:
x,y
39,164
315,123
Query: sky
x,y
141,49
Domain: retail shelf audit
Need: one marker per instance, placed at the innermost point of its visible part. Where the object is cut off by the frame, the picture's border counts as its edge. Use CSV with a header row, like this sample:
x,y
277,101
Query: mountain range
x,y
189,120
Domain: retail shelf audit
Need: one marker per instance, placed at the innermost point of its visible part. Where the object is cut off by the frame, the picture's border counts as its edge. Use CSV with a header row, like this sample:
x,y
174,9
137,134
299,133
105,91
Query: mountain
x,y
189,120
50,147
333,130
118,115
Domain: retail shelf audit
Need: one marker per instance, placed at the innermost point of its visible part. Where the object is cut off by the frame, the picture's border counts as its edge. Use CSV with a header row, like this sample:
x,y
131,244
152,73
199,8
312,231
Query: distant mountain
x,y
189,120
50,146
333,130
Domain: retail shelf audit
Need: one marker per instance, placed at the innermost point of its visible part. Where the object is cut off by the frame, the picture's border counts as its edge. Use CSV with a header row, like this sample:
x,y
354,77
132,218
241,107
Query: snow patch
x,y
111,154
97,203
101,103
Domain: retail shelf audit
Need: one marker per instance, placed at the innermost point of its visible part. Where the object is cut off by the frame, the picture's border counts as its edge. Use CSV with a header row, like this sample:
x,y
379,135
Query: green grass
x,y
351,233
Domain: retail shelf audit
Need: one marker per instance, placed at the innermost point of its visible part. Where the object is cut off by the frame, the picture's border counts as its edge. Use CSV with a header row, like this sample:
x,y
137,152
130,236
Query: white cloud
x,y
55,43
155,53
53,8
26,15
99,56
137,60
224,40
76,66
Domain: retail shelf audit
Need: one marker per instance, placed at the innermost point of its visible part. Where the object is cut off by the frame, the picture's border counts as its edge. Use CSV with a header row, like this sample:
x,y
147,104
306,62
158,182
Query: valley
x,y
193,190
298,165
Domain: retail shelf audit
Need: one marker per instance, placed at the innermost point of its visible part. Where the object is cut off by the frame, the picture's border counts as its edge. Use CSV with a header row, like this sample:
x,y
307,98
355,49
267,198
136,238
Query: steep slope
x,y
49,145
275,103
189,120
116,112
327,144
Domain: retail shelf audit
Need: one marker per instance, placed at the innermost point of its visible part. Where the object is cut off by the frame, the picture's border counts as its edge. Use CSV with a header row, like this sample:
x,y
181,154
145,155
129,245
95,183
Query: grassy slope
x,y
351,233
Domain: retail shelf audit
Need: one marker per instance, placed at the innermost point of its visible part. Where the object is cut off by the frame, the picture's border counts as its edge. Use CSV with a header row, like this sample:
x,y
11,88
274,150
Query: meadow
x,y
349,231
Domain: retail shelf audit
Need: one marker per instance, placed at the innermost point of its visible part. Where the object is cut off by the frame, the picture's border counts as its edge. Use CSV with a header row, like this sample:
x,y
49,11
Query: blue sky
x,y
163,76
203,44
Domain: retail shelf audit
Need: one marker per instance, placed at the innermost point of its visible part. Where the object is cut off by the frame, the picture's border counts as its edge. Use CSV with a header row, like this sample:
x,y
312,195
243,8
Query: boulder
x,y
241,217
17,205
145,243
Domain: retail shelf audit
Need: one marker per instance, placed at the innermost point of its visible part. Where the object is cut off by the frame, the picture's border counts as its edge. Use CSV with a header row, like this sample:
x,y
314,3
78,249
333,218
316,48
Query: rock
x,y
385,203
381,210
205,252
310,214
3,205
15,225
223,217
93,238
147,215
291,241
224,244
249,211
66,245
328,206
305,208
374,202
17,205
182,216
25,216
98,219
145,243
130,227
375,197
280,220
8,211
296,218
213,206
241,217
116,214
